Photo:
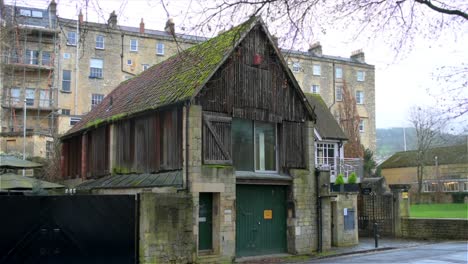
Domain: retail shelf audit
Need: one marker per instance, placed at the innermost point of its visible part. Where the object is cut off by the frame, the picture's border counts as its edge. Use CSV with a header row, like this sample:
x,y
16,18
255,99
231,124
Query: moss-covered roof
x,y
445,155
327,126
174,80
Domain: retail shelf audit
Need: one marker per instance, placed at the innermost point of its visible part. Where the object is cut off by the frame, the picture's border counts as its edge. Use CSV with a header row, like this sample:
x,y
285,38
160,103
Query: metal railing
x,y
35,103
28,61
345,166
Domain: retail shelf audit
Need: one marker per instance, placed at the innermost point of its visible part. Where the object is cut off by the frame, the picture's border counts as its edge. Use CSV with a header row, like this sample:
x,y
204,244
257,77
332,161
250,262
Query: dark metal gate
x,y
68,229
379,208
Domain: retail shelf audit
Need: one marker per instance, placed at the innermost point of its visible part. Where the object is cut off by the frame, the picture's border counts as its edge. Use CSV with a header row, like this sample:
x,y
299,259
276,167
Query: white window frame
x,y
339,93
339,73
74,120
362,126
133,44
465,186
68,81
326,160
71,35
25,12
44,98
446,186
15,95
96,68
359,97
129,62
276,148
430,186
37,13
96,99
100,42
360,76
46,58
296,67
145,66
315,89
30,94
316,69
160,48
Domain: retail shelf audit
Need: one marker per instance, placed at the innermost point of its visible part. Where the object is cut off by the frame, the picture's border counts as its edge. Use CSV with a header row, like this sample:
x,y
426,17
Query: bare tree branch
x,y
454,12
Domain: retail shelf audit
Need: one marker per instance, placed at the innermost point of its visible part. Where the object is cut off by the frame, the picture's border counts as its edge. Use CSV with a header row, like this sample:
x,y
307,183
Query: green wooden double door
x,y
260,220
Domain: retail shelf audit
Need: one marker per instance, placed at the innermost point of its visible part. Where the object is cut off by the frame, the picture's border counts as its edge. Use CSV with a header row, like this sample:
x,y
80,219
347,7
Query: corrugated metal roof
x,y
10,181
7,161
326,125
163,179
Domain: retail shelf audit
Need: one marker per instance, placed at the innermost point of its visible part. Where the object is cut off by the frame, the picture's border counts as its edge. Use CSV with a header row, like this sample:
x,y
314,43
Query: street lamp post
x,y
24,135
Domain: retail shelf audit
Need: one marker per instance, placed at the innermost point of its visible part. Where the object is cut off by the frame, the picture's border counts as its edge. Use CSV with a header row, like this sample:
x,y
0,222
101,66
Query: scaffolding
x,y
28,65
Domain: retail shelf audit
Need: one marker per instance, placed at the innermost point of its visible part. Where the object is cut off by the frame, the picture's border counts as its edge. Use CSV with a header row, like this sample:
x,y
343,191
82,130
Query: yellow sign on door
x,y
267,214
404,195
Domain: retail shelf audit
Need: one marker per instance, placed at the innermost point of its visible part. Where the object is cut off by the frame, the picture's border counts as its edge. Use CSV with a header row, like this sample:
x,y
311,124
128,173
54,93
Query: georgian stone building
x,y
87,60
328,75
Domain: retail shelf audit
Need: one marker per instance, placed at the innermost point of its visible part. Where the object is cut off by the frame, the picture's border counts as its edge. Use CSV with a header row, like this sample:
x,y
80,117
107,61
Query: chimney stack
x,y
142,26
112,20
316,49
170,27
80,17
358,55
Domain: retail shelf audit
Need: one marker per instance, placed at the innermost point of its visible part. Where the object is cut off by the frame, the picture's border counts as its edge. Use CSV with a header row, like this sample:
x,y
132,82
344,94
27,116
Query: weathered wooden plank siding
x,y
71,158
98,152
149,144
261,92
258,92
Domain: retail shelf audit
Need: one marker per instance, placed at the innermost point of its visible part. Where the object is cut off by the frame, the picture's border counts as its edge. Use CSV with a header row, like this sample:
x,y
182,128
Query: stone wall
x,y
215,179
302,229
166,234
345,204
421,228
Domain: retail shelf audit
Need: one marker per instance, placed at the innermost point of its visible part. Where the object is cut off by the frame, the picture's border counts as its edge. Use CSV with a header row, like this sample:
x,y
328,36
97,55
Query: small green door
x,y
205,222
260,220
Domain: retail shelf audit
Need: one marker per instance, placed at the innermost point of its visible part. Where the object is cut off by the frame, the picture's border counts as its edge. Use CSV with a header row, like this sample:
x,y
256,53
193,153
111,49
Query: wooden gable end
x,y
253,84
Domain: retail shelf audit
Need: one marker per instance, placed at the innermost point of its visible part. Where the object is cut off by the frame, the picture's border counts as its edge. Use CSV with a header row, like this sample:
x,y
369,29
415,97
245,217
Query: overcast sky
x,y
400,83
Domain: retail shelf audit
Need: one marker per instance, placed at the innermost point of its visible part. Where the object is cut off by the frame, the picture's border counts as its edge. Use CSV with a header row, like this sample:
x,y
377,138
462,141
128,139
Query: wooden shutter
x,y
217,139
293,145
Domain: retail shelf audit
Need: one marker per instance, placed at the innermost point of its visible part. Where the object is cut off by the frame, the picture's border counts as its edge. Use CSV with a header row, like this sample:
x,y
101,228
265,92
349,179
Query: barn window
x,y
254,145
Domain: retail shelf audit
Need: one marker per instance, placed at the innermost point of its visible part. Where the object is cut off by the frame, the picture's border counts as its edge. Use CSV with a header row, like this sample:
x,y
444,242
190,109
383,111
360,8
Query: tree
x,y
428,122
349,121
395,20
369,163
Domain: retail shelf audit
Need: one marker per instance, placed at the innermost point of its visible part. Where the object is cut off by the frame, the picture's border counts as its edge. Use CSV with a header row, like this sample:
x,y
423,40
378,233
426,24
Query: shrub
x,y
352,178
340,179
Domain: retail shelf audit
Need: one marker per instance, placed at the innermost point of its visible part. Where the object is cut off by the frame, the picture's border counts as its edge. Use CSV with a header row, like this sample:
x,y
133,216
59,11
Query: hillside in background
x,y
391,140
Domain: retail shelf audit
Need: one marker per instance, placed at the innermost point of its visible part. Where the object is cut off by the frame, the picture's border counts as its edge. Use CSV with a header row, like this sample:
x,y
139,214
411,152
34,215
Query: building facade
x,y
203,125
445,173
90,59
29,47
328,76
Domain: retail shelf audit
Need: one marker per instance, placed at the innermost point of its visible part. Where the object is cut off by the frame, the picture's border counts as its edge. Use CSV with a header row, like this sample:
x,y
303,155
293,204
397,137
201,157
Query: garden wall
x,y
434,228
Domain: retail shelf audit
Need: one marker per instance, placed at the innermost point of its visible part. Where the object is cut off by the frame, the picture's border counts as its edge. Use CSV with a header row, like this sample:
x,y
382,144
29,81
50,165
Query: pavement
x,y
366,245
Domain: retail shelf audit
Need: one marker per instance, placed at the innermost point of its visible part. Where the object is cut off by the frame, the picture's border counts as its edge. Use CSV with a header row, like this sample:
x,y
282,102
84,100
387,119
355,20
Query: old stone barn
x,y
217,142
